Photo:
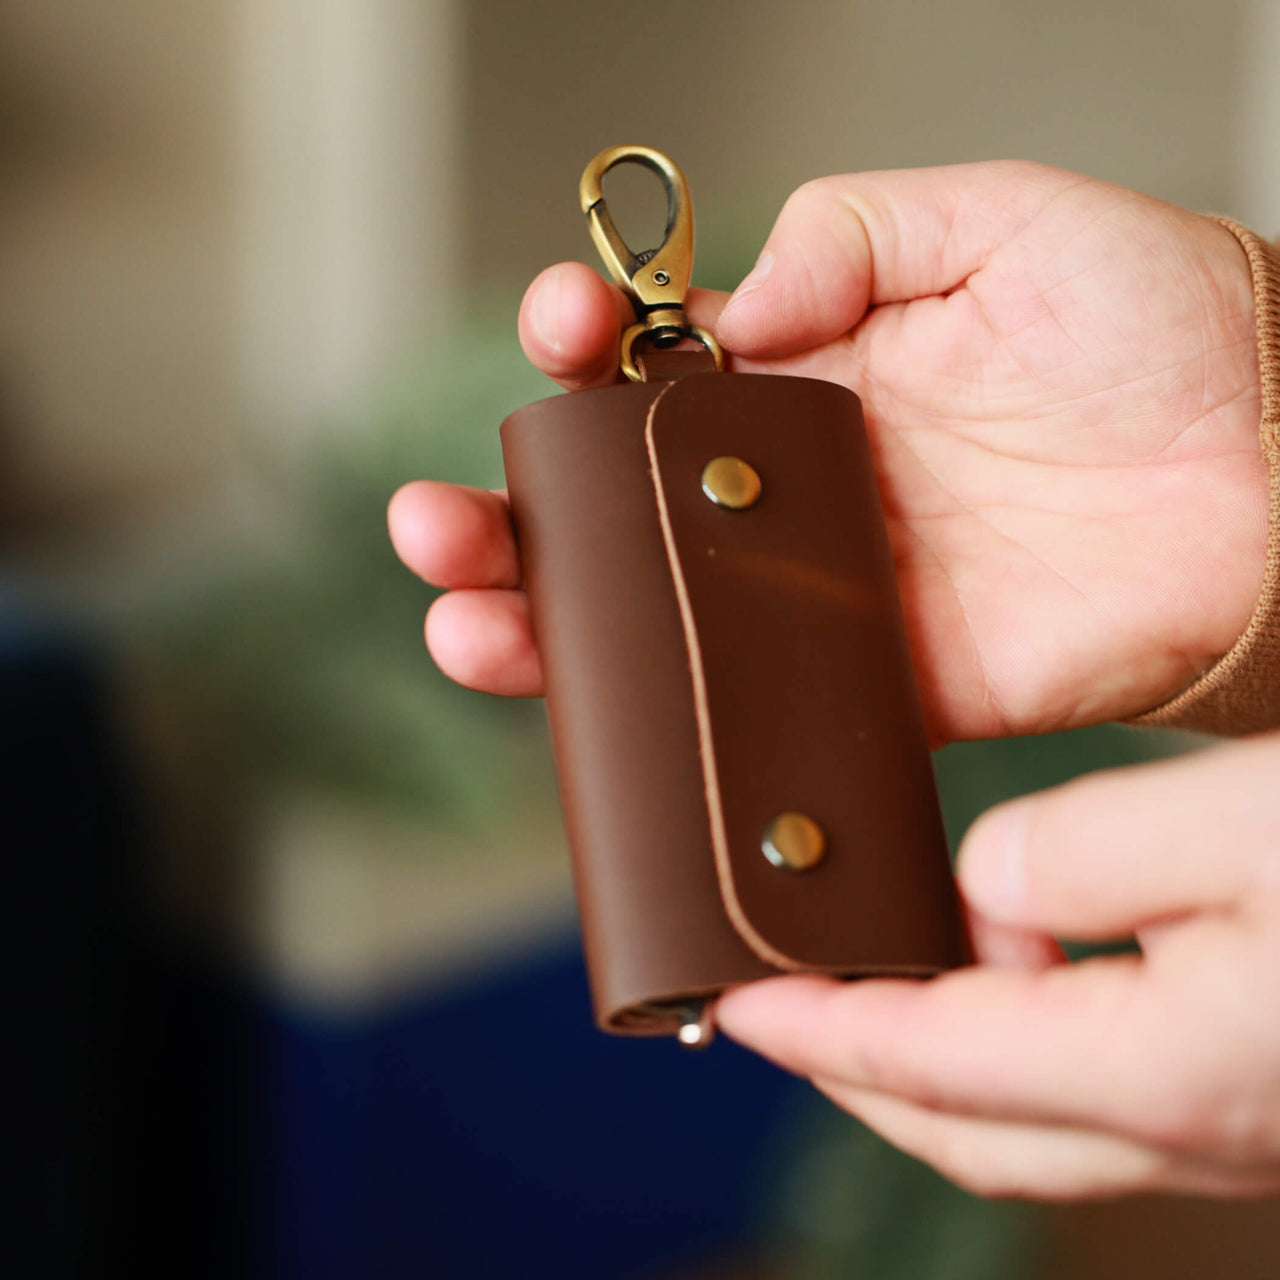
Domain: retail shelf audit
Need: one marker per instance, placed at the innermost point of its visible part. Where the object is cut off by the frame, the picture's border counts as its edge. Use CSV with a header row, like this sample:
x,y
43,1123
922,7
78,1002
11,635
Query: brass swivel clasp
x,y
656,280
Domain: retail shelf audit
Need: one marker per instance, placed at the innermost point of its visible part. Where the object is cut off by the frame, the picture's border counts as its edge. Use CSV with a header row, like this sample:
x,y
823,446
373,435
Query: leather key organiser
x,y
742,759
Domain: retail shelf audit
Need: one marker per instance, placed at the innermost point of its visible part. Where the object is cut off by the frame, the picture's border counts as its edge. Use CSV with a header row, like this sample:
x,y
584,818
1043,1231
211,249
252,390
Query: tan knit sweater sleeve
x,y
1240,693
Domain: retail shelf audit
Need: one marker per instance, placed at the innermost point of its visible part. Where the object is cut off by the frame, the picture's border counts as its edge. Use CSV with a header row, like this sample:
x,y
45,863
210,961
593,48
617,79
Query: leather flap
x,y
803,687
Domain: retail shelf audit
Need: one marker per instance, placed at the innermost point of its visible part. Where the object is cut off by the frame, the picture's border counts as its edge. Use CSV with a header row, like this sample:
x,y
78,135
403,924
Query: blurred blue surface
x,y
495,1133
492,1133
176,1120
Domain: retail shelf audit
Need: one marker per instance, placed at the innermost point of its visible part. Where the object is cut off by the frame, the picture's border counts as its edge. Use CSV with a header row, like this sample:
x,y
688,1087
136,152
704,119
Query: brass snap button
x,y
794,842
730,482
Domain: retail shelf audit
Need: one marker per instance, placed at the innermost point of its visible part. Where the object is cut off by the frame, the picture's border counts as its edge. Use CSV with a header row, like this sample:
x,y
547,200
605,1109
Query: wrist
x,y
1238,689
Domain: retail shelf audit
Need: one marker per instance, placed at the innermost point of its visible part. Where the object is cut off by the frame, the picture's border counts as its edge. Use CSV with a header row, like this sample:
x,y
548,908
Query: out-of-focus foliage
x,y
850,1206
298,659
973,776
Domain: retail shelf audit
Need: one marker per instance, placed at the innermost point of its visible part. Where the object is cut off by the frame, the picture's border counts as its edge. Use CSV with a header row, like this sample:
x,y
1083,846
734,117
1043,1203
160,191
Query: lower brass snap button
x,y
730,482
793,841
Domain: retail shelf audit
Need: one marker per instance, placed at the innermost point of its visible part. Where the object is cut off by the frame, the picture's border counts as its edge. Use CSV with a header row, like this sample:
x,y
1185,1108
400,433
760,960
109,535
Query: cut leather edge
x,y
738,917
702,716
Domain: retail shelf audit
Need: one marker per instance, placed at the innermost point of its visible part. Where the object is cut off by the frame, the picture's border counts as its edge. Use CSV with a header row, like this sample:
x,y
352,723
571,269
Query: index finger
x,y
454,535
1109,853
571,321
1075,1044
569,324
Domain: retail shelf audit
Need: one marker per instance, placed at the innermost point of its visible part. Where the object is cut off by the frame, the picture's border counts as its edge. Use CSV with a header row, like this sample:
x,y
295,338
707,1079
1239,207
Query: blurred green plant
x,y
852,1207
298,659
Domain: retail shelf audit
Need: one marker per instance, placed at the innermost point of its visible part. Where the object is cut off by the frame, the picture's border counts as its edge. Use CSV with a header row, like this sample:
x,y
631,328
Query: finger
x,y
843,244
1003,1160
571,322
569,325
1107,854
482,639
1011,948
453,535
1075,1044
704,308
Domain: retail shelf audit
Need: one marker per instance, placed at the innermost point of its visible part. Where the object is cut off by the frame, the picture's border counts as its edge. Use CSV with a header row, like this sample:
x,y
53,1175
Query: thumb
x,y
1109,853
847,243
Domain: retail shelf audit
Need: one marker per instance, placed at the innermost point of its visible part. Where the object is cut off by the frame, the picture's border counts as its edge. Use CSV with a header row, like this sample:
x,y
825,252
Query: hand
x,y
1061,389
1032,1077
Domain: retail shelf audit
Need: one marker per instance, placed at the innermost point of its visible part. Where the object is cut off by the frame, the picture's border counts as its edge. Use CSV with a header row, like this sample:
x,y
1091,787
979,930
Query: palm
x,y
1069,499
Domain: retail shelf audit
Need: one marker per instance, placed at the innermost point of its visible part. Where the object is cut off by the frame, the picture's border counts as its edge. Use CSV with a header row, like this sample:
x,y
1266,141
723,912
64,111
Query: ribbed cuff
x,y
1240,693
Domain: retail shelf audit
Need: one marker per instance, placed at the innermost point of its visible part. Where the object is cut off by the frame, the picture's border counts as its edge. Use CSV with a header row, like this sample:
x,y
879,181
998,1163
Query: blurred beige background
x,y
228,218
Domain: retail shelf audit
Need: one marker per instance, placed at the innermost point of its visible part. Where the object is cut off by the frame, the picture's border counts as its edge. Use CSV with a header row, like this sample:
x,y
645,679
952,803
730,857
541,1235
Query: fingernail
x,y
758,275
545,312
993,865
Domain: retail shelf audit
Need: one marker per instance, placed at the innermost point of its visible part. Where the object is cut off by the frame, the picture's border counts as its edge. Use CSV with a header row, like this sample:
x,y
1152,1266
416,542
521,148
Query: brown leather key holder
x,y
742,760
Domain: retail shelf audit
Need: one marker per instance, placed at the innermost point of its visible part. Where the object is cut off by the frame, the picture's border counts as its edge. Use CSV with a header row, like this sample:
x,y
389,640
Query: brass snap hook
x,y
656,280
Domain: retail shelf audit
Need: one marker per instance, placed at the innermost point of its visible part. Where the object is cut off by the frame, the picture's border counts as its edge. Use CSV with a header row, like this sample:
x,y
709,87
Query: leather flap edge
x,y
803,688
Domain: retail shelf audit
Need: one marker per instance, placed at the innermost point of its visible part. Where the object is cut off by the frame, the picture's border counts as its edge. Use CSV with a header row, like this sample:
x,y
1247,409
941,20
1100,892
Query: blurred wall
x,y
348,201
753,99
221,216
1257,151
117,310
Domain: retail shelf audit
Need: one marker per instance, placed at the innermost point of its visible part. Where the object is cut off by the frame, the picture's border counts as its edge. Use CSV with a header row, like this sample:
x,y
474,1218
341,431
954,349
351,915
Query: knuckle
x,y
986,1181
817,191
887,1066
1021,170
977,1168
1219,1119
826,200
1237,1128
872,1067
1180,1113
1183,1127
1046,1179
984,1184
